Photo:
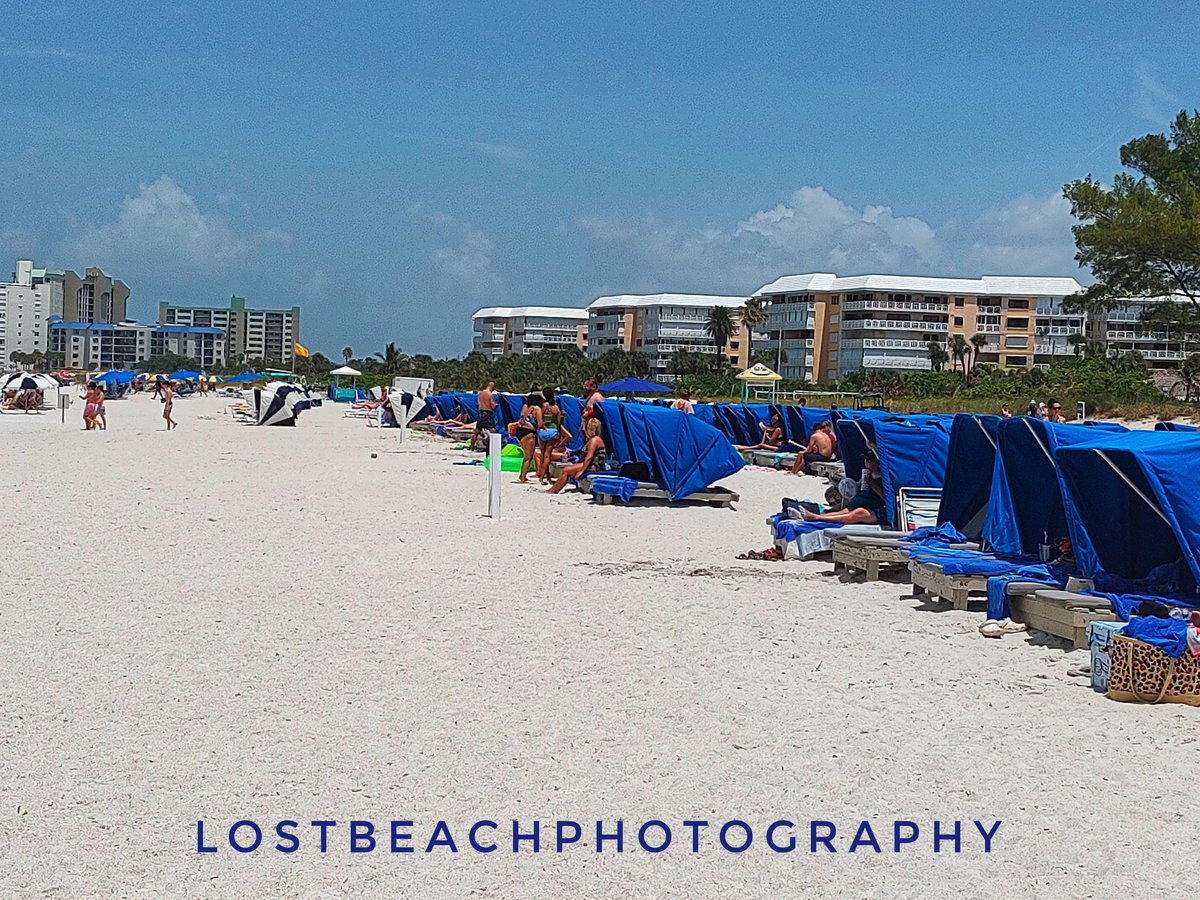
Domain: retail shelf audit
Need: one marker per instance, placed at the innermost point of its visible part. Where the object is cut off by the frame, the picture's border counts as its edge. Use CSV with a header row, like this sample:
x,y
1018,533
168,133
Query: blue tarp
x,y
706,413
245,376
683,453
1135,496
468,403
634,386
911,454
508,410
1174,426
968,483
1026,502
572,408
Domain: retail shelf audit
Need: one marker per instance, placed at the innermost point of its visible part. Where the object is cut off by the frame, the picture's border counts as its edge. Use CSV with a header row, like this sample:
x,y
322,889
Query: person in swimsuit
x,y
864,507
89,406
772,435
168,399
822,447
487,411
527,431
593,453
552,435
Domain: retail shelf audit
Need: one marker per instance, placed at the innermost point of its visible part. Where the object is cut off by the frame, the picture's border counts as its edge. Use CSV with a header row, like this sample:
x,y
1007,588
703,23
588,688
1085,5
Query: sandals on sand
x,y
996,628
771,553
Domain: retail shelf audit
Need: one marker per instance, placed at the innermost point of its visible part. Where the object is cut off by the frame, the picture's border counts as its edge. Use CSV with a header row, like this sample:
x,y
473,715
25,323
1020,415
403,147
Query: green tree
x,y
958,350
347,355
938,356
1188,377
720,326
977,342
392,358
1141,237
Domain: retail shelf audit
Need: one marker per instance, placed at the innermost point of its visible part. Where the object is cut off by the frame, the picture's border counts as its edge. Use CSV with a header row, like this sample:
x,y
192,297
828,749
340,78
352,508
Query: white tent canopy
x,y
345,370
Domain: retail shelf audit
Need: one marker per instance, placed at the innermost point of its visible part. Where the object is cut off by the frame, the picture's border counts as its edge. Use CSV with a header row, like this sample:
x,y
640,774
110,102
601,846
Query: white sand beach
x,y
227,622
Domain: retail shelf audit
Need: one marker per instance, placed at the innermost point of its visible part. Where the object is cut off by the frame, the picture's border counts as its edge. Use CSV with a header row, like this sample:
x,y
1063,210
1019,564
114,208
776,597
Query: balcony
x,y
892,325
1056,330
988,329
895,305
884,344
989,310
1159,337
673,348
910,363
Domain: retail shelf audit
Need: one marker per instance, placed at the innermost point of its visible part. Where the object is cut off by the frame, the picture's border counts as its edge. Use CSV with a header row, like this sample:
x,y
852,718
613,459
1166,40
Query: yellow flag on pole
x,y
299,349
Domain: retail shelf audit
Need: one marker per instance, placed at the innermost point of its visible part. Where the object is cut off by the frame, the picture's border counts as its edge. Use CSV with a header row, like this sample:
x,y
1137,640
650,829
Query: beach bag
x,y
635,471
1142,673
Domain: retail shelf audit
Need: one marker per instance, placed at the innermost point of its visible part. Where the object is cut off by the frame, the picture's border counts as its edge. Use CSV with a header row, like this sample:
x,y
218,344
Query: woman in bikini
x,y
552,435
168,400
526,432
89,406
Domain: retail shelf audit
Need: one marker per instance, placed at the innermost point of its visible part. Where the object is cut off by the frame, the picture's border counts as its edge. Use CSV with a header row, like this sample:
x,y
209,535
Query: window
x,y
834,301
1016,343
1016,324
958,321
1015,361
959,301
1018,304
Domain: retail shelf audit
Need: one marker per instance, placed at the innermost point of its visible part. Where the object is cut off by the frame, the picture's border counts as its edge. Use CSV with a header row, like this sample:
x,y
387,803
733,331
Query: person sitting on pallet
x,y
864,508
822,447
772,435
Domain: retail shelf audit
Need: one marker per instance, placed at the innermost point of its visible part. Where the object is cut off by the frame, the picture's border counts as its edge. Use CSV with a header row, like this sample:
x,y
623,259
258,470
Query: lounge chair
x,y
645,490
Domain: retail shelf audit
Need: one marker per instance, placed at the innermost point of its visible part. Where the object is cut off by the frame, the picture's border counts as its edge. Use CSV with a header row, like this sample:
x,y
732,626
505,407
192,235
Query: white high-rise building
x,y
26,304
520,330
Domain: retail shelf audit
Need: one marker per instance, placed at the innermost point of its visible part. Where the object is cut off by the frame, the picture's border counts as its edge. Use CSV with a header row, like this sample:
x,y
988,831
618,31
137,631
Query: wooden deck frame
x,y
715,496
928,578
1052,615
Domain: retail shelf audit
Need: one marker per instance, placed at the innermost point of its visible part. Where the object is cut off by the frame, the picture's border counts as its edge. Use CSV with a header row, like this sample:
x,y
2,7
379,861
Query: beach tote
x,y
1142,673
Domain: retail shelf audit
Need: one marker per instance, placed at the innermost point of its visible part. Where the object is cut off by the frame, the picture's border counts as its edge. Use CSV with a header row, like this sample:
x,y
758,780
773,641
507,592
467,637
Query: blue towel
x,y
786,529
997,593
945,533
1125,604
1169,635
615,485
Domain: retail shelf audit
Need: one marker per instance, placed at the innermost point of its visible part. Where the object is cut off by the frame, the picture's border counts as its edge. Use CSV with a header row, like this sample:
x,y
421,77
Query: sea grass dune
x,y
229,624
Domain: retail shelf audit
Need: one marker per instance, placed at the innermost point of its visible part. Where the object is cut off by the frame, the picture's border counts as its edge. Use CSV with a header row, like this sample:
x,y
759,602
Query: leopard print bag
x,y
1142,673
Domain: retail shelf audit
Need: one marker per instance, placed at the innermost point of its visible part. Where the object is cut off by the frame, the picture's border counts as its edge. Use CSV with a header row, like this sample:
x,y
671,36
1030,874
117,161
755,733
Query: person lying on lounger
x,y
772,435
822,447
865,506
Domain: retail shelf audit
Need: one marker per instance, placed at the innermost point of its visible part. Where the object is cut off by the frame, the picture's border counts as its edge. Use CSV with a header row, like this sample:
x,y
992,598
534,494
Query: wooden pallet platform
x,y
1053,615
871,560
715,496
928,578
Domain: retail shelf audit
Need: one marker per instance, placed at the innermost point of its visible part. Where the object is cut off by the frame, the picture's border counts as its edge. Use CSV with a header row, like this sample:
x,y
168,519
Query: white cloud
x,y
465,261
814,231
318,284
162,228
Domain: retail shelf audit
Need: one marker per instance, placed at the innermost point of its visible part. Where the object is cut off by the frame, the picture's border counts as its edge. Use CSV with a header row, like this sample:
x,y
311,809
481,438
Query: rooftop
x,y
988,285
640,300
546,312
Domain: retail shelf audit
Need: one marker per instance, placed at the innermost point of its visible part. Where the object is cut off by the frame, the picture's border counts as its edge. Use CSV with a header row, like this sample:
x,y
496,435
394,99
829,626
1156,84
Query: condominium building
x,y
660,325
26,305
822,327
1123,330
250,334
96,297
92,346
520,330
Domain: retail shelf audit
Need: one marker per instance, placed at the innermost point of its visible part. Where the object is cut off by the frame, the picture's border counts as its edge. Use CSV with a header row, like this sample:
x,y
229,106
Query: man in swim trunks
x,y
487,410
822,447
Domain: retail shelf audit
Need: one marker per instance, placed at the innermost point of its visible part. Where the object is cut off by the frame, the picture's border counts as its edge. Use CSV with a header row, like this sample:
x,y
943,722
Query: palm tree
x,y
977,342
393,359
347,354
958,349
1189,377
937,355
720,327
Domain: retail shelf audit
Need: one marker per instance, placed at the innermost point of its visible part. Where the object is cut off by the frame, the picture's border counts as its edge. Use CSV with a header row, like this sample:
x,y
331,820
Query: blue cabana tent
x,y
684,454
238,379
1135,496
855,436
468,403
911,454
508,410
1026,505
706,413
1173,426
971,458
572,408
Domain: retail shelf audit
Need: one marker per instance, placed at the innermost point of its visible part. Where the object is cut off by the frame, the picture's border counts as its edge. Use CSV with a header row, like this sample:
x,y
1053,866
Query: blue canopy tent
x,y
911,454
572,409
508,410
706,413
1135,495
1173,426
245,376
684,454
634,386
1026,505
970,461
468,403
446,405
116,376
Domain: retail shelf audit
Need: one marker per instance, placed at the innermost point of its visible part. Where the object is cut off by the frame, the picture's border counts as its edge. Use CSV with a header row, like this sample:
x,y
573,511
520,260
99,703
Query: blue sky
x,y
391,170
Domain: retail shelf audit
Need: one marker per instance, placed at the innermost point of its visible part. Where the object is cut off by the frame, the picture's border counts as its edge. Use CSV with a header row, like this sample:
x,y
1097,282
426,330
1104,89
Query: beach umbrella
x,y
184,375
634,386
27,381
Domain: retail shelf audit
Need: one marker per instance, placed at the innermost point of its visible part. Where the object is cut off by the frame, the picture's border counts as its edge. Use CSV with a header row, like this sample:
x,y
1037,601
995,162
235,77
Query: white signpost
x,y
495,466
64,400
1081,411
